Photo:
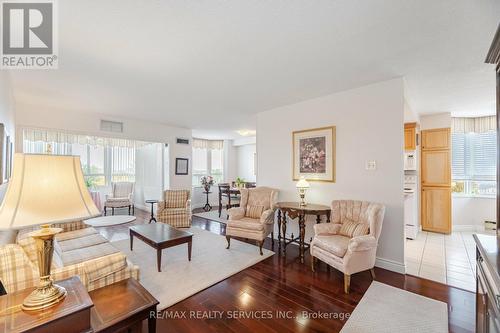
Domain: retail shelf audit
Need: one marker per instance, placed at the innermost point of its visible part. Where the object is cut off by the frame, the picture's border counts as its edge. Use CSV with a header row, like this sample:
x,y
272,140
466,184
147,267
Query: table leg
x,y
328,217
158,259
190,243
152,322
302,227
131,241
283,227
318,218
279,227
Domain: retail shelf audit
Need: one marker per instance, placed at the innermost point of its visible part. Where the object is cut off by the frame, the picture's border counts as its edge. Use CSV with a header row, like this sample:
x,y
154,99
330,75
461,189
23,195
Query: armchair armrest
x,y
236,213
267,216
327,228
188,204
362,243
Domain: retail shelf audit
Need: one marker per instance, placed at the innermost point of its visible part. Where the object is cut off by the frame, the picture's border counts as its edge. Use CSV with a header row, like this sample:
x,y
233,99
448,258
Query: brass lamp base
x,y
47,294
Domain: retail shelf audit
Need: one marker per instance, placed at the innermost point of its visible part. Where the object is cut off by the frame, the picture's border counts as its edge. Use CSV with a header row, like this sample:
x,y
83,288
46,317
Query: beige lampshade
x,y
45,189
302,183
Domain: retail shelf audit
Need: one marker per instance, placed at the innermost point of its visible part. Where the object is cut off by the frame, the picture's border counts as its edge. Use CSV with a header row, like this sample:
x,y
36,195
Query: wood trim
x,y
410,125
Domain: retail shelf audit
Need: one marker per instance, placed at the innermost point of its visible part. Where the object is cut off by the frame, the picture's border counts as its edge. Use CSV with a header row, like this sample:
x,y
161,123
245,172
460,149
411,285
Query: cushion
x,y
246,223
75,234
335,244
81,242
176,198
353,229
254,212
87,253
174,211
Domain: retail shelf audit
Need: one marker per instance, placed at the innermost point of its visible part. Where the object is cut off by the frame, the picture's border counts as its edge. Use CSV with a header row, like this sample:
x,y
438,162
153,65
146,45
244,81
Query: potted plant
x,y
207,182
240,183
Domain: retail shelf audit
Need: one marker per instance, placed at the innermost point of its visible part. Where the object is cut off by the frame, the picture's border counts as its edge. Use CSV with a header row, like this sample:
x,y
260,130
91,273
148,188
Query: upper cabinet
x,y
436,139
410,136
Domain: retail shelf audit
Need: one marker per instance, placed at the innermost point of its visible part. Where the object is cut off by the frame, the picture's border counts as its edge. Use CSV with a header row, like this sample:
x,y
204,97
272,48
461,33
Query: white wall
x,y
440,120
470,213
148,174
89,123
7,115
245,162
369,124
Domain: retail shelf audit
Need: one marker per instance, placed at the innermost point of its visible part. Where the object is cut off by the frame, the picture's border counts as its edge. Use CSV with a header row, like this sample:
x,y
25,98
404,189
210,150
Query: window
x,y
207,160
474,157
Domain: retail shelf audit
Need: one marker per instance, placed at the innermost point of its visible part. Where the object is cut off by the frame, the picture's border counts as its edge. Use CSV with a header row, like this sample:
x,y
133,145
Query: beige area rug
x,y
214,215
384,308
210,263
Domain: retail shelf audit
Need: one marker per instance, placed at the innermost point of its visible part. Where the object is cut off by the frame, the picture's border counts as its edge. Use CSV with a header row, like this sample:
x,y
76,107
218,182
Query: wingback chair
x,y
175,209
254,219
122,196
349,242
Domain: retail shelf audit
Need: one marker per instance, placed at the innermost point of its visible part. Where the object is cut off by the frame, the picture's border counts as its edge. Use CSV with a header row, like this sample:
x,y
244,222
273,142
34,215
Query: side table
x,y
295,210
207,205
122,305
72,314
152,202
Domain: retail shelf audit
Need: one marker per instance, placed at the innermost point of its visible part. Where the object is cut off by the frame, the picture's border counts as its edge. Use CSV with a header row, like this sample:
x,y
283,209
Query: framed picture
x,y
314,154
181,166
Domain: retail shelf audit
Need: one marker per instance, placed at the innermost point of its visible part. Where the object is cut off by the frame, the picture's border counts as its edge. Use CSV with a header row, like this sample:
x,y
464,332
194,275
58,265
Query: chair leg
x,y
313,262
228,241
347,283
133,210
272,239
260,247
220,209
105,211
372,272
112,210
129,209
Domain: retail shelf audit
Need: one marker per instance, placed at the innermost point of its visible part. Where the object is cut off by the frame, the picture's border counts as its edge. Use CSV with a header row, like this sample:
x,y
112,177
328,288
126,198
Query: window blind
x,y
474,156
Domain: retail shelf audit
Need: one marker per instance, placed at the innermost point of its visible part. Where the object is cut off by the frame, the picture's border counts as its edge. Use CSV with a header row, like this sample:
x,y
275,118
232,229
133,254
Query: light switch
x,y
371,165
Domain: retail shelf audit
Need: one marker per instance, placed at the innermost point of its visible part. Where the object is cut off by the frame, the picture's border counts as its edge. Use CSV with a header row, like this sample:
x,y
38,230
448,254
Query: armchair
x,y
349,242
254,219
122,196
175,209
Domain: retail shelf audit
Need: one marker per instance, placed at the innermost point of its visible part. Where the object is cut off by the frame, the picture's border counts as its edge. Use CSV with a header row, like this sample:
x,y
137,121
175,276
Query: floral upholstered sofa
x,y
78,250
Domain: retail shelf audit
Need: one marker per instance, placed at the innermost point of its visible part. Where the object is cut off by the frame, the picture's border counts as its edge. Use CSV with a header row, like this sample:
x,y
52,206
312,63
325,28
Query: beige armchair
x,y
122,196
175,209
349,242
254,219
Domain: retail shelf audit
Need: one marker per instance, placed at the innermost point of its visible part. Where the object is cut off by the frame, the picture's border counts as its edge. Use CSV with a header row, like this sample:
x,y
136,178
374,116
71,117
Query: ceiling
x,y
212,65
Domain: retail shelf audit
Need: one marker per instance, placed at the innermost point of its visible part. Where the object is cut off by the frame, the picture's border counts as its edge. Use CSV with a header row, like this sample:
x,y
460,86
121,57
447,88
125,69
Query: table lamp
x,y
302,186
45,189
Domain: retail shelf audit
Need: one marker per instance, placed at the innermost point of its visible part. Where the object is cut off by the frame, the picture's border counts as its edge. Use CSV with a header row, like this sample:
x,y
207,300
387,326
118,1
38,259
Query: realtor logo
x,y
28,35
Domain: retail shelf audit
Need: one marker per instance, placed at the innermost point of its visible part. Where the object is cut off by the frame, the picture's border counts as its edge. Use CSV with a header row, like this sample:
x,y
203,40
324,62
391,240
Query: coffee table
x,y
160,236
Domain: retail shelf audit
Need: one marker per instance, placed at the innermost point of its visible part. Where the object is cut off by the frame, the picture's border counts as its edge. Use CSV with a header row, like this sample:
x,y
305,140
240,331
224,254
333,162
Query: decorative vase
x,y
207,188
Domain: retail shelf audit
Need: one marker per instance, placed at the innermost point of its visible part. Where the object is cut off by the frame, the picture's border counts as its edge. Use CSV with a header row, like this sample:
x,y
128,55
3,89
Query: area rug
x,y
214,215
388,309
105,221
210,263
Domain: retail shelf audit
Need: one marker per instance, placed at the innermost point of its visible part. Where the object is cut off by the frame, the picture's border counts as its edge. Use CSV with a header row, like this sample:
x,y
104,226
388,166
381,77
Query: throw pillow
x,y
353,229
254,212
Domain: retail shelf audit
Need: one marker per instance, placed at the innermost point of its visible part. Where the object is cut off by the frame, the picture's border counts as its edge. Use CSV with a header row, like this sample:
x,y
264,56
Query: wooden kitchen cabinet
x,y
436,170
436,209
410,136
436,139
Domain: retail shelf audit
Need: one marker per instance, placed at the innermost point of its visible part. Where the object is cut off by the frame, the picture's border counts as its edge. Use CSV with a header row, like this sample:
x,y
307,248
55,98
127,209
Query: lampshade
x,y
45,189
302,183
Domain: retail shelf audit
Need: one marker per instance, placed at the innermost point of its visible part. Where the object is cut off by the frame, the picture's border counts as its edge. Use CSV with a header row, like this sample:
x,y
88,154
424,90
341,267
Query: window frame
x,y
208,168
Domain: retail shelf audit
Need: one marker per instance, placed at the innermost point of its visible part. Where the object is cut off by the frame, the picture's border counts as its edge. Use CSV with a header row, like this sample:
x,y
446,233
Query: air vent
x,y
111,126
182,141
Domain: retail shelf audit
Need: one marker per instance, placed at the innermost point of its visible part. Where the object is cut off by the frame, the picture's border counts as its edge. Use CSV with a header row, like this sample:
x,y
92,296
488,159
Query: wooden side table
x,y
72,314
122,305
295,210
152,202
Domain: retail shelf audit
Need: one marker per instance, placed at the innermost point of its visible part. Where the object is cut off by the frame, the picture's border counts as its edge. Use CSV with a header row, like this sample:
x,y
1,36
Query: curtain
x,y
208,144
44,135
473,125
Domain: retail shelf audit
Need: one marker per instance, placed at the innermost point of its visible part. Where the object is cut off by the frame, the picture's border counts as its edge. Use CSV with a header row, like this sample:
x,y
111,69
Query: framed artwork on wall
x,y
181,166
314,154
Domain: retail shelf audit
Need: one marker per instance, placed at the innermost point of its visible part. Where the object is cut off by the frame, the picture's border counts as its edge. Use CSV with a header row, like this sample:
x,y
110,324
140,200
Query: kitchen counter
x,y
489,247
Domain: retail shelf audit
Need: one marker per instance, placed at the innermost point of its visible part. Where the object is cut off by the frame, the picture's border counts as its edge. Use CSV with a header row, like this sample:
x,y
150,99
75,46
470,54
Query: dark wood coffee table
x,y
160,236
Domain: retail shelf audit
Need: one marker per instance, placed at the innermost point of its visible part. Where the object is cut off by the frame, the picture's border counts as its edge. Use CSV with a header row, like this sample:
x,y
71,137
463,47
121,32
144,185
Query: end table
x,y
207,205
152,202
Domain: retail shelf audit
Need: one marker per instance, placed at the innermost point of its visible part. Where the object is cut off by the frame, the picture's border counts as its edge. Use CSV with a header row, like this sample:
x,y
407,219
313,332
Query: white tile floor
x,y
449,259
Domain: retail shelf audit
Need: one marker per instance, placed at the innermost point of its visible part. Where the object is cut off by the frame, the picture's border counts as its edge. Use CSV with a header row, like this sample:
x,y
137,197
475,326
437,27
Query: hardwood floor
x,y
285,285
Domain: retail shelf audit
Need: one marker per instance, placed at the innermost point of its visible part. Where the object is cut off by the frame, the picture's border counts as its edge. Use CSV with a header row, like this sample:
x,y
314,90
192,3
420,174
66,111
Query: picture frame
x,y
181,166
314,154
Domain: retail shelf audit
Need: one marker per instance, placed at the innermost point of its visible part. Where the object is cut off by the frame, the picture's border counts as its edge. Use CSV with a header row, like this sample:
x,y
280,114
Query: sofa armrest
x,y
327,228
236,213
362,243
17,272
71,226
66,272
267,216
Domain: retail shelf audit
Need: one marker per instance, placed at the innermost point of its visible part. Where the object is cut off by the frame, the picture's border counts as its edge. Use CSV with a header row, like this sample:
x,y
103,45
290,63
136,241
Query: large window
x,y
104,160
207,160
474,156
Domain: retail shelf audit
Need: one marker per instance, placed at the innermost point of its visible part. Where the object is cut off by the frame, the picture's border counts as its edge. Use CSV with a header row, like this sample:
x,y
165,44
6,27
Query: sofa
x,y
78,250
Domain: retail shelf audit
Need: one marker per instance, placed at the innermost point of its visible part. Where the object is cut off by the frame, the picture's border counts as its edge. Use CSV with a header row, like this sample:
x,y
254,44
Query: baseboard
x,y
390,265
468,227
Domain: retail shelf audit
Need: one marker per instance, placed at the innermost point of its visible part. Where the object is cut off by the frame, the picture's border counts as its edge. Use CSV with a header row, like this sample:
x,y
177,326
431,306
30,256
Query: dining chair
x,y
227,199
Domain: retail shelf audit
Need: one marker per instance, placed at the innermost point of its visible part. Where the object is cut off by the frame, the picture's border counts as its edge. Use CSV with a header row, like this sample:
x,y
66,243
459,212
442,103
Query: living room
x,y
220,167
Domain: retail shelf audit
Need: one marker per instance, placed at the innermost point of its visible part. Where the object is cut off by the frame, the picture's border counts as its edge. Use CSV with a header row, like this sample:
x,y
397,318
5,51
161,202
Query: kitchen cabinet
x,y
436,209
436,170
436,139
410,136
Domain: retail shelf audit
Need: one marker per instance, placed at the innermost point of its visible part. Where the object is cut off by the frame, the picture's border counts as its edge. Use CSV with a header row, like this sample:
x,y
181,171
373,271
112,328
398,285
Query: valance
x,y
473,125
208,144
44,135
